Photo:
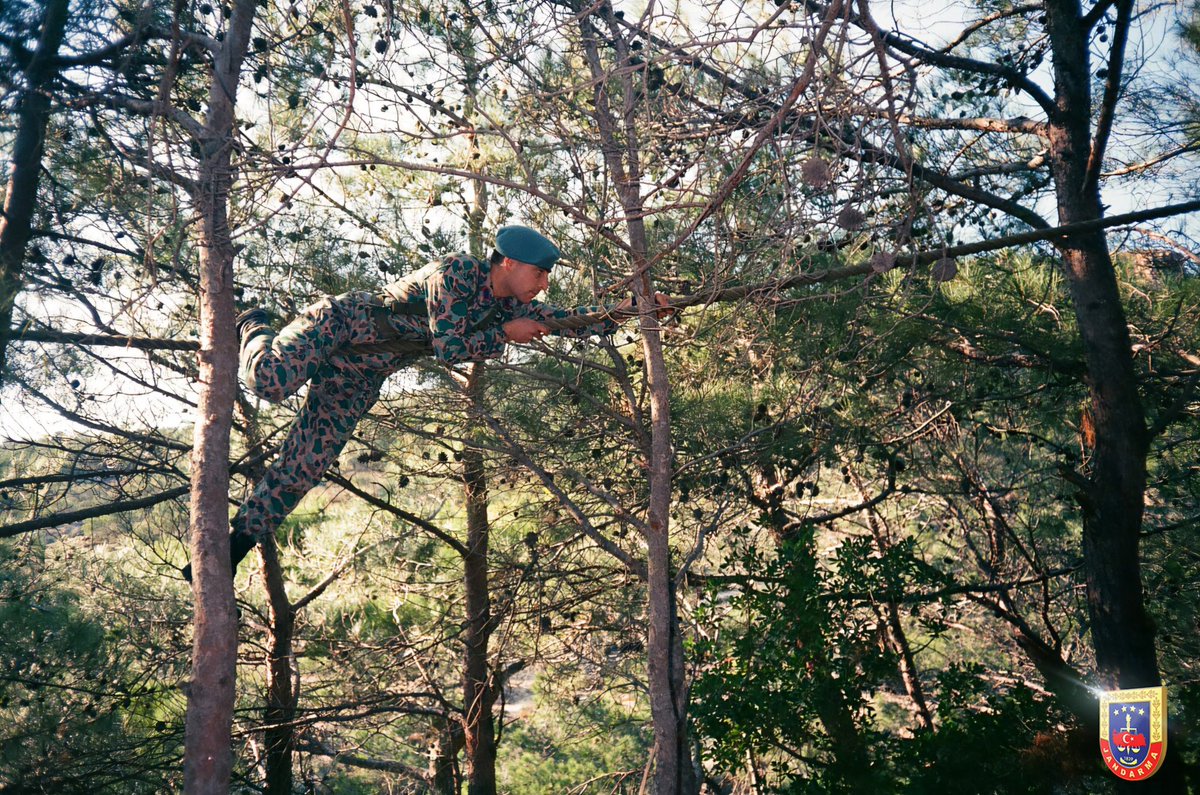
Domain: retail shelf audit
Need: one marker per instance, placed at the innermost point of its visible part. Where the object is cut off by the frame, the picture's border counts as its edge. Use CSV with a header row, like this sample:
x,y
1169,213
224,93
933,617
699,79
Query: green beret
x,y
525,245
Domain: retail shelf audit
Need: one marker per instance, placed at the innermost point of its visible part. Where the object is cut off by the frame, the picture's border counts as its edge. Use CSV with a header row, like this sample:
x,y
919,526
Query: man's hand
x,y
523,329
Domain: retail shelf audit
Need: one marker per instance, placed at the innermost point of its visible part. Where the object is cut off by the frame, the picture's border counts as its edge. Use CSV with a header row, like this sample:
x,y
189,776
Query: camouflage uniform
x,y
345,347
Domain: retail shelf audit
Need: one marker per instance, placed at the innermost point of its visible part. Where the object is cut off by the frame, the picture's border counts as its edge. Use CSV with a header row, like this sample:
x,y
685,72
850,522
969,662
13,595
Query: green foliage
x,y
799,663
1191,28
80,713
991,740
577,742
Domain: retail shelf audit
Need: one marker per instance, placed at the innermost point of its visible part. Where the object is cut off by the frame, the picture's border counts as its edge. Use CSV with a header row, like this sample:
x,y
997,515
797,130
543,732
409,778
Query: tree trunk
x,y
1113,486
664,646
673,770
851,763
479,693
479,689
1113,497
208,757
280,712
20,197
443,773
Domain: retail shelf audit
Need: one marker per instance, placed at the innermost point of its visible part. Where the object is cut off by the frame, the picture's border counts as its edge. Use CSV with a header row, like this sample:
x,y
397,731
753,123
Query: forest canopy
x,y
908,479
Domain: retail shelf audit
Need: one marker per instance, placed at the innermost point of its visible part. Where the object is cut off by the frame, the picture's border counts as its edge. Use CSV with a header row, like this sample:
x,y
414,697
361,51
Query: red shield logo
x,y
1133,731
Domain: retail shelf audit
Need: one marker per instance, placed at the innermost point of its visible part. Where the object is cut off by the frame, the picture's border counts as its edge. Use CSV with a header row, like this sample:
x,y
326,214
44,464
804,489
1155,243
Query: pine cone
x,y
816,173
851,218
883,261
945,269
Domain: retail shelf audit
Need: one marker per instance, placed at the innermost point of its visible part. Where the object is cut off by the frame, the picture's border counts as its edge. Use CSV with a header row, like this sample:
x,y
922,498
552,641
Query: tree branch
x,y
24,334
855,149
145,107
153,441
311,746
1014,77
96,511
1006,13
1112,90
1018,124
384,505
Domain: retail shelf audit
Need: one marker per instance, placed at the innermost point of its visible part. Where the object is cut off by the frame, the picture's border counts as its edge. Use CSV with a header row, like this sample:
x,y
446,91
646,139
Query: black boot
x,y
240,545
251,320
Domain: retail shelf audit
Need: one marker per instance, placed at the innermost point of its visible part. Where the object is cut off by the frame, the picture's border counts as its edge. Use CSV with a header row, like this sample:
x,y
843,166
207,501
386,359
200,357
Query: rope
x,y
23,334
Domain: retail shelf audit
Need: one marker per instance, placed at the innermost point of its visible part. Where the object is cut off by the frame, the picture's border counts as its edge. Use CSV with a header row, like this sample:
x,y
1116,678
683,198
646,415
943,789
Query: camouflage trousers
x,y
342,388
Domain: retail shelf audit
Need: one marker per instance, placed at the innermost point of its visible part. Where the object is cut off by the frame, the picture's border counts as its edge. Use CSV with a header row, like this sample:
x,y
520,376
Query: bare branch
x,y
911,47
1019,124
1006,13
96,511
24,334
1112,90
384,505
311,746
144,107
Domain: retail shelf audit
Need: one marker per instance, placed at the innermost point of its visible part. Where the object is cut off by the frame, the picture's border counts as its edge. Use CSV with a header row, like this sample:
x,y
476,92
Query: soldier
x,y
459,309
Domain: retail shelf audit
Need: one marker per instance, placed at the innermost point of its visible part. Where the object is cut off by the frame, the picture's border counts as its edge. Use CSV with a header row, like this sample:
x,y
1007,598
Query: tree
x,y
20,196
207,758
833,466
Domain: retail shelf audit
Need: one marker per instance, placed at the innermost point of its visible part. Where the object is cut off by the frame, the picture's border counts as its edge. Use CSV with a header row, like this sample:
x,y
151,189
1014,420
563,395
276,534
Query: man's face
x,y
525,281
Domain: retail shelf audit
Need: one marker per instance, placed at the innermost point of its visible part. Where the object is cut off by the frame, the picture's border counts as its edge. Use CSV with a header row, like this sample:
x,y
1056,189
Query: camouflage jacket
x,y
447,309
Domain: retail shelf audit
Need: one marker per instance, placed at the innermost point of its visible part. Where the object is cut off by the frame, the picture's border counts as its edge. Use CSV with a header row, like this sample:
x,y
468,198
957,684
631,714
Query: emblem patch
x,y
1133,731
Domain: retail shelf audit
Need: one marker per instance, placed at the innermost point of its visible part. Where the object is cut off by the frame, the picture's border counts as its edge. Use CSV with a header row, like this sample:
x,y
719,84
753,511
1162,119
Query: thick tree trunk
x,y
479,694
20,196
1113,496
1113,484
208,757
280,712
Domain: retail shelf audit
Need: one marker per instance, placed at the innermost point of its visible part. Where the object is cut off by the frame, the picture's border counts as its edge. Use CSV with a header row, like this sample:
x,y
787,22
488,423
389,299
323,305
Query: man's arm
x,y
450,291
541,312
607,318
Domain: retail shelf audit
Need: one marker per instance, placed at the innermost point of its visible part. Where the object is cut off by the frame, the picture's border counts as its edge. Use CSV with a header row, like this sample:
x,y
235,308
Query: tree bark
x,y
443,773
208,757
280,712
479,686
664,645
673,770
1113,496
479,692
1113,486
20,197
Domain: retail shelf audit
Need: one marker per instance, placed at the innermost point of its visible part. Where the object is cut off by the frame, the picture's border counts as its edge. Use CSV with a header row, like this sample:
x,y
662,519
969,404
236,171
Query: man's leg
x,y
274,366
325,422
334,404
